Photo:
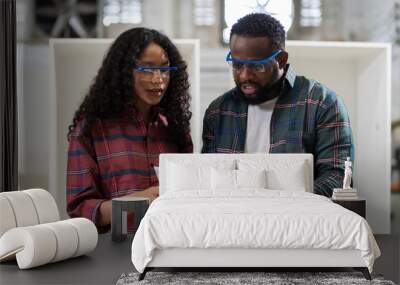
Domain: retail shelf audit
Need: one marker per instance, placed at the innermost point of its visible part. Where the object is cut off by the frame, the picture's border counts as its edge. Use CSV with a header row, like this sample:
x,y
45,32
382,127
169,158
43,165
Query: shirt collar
x,y
290,75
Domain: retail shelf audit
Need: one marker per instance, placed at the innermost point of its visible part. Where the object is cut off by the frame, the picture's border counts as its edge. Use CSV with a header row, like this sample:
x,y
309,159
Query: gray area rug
x,y
225,278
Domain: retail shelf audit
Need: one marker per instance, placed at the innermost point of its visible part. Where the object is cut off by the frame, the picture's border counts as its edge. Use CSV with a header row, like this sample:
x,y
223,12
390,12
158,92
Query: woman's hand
x,y
151,193
104,217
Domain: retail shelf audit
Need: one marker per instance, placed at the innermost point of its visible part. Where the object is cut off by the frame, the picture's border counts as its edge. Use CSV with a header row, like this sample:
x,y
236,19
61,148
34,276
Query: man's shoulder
x,y
321,98
317,91
222,101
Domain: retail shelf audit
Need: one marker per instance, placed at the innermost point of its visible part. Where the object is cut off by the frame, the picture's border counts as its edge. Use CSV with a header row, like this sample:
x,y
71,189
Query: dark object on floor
x,y
328,278
121,207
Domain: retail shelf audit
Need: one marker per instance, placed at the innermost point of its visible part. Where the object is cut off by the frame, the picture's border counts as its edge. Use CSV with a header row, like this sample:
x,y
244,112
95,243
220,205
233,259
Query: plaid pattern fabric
x,y
307,118
116,159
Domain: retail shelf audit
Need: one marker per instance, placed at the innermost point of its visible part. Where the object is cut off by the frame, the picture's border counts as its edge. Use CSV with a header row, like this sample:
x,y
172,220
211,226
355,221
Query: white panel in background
x,y
360,73
73,65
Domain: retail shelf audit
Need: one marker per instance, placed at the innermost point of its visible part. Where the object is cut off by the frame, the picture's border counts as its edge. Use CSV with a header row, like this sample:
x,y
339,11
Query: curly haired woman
x,y
136,108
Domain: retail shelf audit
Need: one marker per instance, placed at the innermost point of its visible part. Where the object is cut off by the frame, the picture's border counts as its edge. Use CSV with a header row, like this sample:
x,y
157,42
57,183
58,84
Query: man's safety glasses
x,y
253,65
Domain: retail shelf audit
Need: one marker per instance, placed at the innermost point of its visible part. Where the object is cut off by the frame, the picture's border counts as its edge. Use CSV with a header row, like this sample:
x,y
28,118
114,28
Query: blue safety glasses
x,y
150,70
253,65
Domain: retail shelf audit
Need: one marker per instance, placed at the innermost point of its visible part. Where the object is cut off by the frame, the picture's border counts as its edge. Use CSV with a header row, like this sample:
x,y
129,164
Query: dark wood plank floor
x,y
388,264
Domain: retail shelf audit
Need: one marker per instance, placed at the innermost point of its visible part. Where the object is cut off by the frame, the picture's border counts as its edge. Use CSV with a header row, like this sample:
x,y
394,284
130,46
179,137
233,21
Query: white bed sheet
x,y
251,218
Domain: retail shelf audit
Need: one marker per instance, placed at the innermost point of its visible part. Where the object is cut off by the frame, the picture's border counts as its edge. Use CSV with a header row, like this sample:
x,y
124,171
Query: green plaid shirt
x,y
307,118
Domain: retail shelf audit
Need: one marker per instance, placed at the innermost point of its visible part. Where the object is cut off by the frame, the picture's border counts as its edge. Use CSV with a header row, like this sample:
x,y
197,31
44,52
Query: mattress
x,y
251,219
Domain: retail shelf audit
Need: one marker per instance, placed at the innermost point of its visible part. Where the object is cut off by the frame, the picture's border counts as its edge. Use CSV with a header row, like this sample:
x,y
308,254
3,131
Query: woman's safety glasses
x,y
164,71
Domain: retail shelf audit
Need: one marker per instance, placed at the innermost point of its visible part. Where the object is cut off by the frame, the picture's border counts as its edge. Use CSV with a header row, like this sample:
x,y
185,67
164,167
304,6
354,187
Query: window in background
x,y
233,10
66,18
122,11
204,12
310,13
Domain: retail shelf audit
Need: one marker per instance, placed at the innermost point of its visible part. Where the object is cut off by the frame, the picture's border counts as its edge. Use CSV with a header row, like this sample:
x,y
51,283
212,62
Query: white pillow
x,y
228,179
189,175
292,179
223,179
251,178
183,177
280,174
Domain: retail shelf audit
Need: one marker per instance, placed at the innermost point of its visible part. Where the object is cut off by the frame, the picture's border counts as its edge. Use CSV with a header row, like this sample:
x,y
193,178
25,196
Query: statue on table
x,y
347,174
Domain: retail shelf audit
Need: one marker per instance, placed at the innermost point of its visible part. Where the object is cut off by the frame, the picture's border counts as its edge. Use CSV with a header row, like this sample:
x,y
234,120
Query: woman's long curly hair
x,y
112,91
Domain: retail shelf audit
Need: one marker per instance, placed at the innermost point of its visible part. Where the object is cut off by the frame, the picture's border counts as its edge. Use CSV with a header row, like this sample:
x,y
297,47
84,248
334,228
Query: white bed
x,y
218,210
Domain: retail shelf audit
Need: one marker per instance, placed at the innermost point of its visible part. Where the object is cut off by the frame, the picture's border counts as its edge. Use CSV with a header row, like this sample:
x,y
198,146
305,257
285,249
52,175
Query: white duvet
x,y
253,218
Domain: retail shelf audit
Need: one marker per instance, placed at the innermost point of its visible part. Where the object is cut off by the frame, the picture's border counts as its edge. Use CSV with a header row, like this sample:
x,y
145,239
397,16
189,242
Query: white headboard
x,y
213,159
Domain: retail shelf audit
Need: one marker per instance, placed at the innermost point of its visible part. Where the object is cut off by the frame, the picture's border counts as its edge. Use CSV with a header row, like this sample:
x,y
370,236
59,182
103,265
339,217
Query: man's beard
x,y
264,93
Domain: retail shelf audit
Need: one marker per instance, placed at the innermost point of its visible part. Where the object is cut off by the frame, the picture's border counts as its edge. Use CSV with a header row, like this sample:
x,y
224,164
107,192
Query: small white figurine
x,y
347,174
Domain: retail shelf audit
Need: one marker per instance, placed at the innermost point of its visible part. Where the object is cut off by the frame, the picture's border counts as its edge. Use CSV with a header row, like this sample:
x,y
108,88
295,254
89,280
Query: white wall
x,y
33,114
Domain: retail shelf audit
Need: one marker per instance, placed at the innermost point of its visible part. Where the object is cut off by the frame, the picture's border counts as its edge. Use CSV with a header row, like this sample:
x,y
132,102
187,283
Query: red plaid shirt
x,y
116,159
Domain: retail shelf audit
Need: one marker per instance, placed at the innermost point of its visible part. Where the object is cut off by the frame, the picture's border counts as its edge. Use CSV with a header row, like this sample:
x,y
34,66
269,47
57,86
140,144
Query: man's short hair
x,y
260,25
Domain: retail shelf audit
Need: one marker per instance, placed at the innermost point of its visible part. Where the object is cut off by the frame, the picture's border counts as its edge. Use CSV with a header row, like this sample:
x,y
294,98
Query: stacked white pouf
x,y
31,232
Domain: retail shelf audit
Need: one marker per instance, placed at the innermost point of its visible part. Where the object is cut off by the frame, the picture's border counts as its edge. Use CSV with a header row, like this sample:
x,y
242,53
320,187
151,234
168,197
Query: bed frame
x,y
250,258
242,259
